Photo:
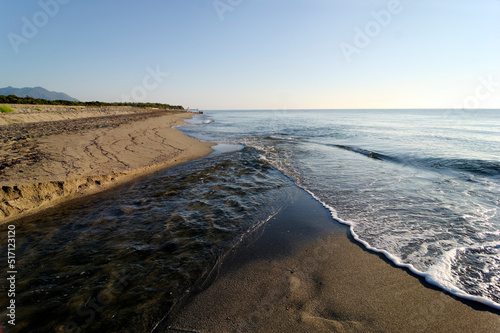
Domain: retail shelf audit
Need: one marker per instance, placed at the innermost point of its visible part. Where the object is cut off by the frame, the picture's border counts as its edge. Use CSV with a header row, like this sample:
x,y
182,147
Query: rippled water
x,y
118,261
420,186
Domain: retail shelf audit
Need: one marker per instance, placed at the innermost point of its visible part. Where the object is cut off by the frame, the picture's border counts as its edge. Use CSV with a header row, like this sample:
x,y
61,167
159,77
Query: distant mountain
x,y
36,92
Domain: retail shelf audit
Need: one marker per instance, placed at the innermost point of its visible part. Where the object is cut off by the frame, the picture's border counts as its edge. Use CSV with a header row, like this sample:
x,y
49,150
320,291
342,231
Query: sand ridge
x,y
29,113
54,161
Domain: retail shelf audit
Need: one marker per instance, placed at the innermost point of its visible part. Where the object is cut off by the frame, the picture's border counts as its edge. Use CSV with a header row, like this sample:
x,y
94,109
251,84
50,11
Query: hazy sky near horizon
x,y
258,54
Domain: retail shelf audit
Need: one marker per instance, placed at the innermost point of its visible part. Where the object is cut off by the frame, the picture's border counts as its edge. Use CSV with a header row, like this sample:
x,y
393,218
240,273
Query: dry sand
x,y
28,113
46,162
304,274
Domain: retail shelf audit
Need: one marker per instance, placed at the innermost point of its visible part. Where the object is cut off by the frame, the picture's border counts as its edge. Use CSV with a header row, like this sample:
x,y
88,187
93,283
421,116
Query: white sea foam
x,y
442,274
439,274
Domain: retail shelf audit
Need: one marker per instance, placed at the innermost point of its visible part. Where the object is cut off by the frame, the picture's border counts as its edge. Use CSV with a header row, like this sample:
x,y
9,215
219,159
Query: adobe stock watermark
x,y
95,305
420,320
224,6
484,90
373,28
267,305
150,82
31,26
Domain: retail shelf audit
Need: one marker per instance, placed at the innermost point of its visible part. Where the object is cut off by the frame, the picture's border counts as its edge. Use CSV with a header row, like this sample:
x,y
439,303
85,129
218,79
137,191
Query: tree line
x,y
13,99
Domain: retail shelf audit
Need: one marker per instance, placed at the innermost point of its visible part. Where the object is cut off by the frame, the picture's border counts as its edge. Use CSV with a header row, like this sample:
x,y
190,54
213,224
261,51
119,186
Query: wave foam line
x,y
431,275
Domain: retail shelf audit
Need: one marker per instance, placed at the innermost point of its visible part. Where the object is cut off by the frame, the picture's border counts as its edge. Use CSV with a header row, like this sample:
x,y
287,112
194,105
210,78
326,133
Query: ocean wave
x,y
445,271
420,263
472,273
419,192
473,166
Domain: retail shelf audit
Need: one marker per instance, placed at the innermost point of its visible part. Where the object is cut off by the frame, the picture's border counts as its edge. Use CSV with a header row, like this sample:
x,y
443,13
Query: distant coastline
x,y
13,99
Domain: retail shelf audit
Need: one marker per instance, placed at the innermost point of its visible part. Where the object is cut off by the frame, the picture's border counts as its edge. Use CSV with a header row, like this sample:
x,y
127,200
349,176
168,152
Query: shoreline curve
x,y
62,156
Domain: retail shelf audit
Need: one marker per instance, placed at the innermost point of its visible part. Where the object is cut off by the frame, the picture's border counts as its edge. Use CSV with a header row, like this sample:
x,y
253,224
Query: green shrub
x,y
12,99
5,109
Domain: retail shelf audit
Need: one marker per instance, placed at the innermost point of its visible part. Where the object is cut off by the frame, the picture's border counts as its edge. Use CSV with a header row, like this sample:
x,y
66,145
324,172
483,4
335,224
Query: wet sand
x,y
48,156
304,273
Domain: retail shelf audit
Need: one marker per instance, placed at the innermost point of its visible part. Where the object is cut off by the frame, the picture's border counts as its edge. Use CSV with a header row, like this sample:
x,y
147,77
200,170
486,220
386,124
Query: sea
x,y
421,187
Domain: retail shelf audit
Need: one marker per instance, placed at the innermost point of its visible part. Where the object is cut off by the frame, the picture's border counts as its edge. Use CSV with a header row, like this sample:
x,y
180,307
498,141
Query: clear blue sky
x,y
258,54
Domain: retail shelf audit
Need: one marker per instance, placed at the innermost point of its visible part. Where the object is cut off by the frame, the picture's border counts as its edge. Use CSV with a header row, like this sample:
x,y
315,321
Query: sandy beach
x,y
303,273
50,154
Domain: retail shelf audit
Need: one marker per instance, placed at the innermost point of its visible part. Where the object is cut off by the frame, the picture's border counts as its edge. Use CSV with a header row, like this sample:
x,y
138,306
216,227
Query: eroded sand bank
x,y
59,157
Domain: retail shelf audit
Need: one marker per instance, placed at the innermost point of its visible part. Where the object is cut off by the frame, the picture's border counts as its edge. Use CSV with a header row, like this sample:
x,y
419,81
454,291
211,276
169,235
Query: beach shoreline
x,y
52,155
305,273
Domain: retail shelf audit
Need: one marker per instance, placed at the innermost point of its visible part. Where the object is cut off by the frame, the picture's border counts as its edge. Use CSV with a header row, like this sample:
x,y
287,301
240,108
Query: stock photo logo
x,y
464,110
484,90
224,6
372,29
150,82
31,25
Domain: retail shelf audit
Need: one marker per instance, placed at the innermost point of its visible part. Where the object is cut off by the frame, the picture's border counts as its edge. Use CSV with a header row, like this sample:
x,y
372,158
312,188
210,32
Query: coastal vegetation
x,y
12,99
5,109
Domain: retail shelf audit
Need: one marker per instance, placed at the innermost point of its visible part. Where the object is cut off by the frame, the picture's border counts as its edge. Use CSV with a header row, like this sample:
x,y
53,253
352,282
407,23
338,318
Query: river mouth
x,y
120,260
